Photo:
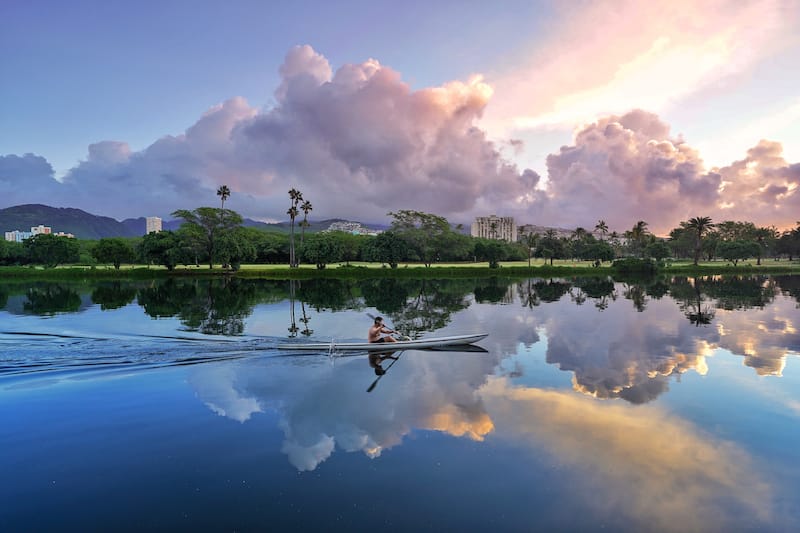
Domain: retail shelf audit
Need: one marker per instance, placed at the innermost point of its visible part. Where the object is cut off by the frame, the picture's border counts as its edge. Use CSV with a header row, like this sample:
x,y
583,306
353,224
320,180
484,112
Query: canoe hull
x,y
432,342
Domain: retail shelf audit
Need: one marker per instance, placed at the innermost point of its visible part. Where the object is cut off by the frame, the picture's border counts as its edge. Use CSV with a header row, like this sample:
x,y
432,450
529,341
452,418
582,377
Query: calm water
x,y
672,405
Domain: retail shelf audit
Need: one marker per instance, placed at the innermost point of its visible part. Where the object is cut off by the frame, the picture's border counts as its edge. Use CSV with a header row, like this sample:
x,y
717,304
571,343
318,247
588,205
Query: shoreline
x,y
374,270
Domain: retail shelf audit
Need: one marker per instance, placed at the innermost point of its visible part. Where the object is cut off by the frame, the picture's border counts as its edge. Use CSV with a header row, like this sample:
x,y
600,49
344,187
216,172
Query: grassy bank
x,y
376,270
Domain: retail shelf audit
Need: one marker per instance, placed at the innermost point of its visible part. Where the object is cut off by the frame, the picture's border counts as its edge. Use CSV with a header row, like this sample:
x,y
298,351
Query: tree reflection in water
x,y
113,295
52,298
430,304
213,307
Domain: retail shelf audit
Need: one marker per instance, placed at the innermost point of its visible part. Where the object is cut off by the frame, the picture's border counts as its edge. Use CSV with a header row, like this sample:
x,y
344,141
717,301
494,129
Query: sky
x,y
555,113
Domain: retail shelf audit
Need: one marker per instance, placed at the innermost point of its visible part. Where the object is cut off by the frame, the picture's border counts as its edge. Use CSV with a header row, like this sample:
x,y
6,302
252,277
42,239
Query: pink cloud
x,y
608,57
628,168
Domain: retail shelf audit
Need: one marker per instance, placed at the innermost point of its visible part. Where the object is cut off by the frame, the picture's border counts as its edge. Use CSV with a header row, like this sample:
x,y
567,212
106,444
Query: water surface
x,y
670,405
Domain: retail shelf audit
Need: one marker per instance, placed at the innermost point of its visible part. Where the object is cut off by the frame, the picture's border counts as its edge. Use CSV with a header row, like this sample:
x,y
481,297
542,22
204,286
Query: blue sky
x,y
463,108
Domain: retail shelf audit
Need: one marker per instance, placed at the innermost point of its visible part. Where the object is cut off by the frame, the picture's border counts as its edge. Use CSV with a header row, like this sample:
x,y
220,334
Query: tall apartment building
x,y
152,225
494,227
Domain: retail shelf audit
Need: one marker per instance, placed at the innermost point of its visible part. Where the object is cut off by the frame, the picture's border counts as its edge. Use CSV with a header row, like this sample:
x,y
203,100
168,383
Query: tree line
x,y
210,236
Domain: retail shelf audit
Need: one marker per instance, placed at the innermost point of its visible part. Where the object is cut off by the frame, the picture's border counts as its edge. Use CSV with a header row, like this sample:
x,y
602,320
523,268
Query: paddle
x,y
375,383
402,336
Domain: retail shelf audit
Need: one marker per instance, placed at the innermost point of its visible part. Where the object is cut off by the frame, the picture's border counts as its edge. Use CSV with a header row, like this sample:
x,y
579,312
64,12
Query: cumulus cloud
x,y
627,168
357,140
631,167
26,179
762,186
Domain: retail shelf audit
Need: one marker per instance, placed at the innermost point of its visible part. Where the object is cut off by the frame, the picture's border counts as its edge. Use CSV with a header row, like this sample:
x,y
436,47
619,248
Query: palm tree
x,y
602,227
307,208
531,240
638,234
764,236
296,197
699,226
224,193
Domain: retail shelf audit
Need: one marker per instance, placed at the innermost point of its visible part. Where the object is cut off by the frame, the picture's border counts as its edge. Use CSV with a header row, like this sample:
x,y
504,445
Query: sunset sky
x,y
556,113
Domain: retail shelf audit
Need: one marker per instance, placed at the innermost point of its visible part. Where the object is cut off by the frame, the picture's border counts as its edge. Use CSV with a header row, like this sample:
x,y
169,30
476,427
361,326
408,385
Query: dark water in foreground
x,y
666,406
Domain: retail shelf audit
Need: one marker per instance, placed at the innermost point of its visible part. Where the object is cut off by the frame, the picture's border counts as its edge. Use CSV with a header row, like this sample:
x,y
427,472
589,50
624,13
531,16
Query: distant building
x,y
152,225
19,236
354,228
494,227
40,229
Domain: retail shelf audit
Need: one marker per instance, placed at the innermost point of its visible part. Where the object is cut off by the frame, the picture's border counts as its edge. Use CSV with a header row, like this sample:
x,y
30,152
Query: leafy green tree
x,y
710,244
738,250
550,246
236,248
162,248
51,251
115,251
13,253
270,247
349,245
658,250
766,237
598,251
207,227
321,249
698,226
490,250
424,233
789,243
455,246
387,248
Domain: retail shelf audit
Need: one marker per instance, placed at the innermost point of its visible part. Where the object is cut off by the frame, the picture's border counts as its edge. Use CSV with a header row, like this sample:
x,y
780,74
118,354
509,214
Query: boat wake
x,y
26,354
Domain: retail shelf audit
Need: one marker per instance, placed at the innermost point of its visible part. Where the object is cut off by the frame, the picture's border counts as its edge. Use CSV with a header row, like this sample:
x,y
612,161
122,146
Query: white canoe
x,y
385,346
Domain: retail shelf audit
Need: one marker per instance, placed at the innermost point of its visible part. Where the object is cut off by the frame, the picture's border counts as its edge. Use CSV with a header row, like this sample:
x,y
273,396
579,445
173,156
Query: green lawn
x,y
539,267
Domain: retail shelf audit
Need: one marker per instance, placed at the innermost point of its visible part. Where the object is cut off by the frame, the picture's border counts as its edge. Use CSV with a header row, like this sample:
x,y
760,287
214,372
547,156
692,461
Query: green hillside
x,y
80,223
88,226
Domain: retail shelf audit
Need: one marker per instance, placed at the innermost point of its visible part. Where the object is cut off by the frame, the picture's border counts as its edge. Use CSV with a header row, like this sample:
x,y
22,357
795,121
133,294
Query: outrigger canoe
x,y
433,342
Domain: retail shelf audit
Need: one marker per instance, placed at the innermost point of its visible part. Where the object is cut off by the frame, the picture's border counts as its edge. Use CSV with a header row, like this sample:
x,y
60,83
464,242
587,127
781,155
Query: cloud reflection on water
x,y
643,461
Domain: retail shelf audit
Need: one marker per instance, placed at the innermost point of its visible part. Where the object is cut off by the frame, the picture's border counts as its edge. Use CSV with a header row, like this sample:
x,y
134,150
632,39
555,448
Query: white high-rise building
x,y
494,227
153,225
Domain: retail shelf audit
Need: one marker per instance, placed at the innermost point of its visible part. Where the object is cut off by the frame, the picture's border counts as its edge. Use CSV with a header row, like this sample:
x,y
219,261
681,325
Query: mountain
x,y
80,223
88,226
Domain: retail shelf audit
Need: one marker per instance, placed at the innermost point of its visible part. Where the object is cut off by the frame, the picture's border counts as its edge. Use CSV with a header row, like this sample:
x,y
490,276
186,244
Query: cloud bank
x,y
360,142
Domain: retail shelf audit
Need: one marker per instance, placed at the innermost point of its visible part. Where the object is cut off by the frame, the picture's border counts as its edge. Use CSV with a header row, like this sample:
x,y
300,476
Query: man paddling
x,y
377,329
